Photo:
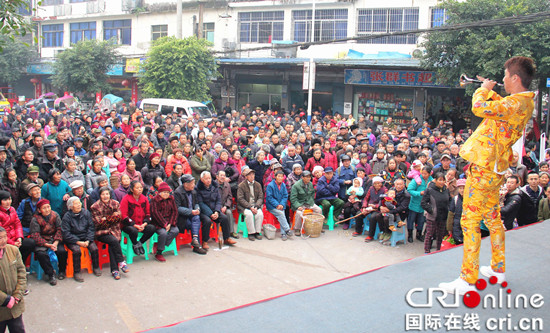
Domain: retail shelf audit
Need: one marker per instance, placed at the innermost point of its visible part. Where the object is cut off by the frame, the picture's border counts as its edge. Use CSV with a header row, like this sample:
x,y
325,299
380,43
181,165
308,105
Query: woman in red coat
x,y
330,155
165,214
136,216
312,162
14,229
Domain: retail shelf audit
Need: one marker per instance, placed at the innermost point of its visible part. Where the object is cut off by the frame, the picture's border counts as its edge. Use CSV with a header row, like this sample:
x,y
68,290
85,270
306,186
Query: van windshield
x,y
203,111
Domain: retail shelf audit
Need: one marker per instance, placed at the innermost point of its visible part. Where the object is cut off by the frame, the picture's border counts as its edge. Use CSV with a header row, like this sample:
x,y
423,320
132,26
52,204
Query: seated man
x,y
210,204
227,200
189,211
78,231
302,197
327,189
250,199
275,200
371,204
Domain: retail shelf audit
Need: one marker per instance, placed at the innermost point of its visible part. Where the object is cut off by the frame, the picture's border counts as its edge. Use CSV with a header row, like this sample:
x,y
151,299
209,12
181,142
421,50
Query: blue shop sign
x,y
390,78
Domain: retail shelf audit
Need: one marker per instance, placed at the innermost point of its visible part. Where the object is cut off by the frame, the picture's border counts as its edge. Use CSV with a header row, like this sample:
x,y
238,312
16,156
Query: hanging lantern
x,y
125,83
34,80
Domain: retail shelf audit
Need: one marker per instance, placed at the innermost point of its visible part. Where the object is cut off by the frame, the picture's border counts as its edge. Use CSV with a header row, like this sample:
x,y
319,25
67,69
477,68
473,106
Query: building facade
x,y
256,43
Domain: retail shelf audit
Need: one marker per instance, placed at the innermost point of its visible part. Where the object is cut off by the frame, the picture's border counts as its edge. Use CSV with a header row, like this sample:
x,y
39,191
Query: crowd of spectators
x,y
70,178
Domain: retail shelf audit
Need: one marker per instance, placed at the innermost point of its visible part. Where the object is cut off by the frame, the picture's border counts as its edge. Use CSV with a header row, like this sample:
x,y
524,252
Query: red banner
x,y
134,91
98,97
38,88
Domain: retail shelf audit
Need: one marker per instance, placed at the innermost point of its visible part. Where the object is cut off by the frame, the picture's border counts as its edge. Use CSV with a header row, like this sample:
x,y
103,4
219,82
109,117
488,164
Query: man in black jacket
x,y
512,202
210,204
402,197
189,211
530,197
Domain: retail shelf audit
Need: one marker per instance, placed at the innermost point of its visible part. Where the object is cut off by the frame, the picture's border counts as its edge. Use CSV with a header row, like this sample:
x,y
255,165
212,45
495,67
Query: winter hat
x,y
163,187
153,155
318,168
461,182
360,180
42,202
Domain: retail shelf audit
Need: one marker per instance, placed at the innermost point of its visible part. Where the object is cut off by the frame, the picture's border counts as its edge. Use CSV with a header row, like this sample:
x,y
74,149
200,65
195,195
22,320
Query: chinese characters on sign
x,y
389,78
435,322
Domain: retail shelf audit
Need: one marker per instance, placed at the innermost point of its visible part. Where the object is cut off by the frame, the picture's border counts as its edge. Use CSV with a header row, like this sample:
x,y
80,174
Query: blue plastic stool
x,y
155,238
36,268
128,249
397,236
366,227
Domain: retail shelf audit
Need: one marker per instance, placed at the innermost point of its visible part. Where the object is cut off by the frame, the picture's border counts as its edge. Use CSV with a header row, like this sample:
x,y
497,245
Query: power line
x,y
504,21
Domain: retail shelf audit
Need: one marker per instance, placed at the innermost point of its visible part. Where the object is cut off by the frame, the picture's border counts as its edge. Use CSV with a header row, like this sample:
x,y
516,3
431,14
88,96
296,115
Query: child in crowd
x,y
317,173
456,209
389,202
353,205
414,173
354,159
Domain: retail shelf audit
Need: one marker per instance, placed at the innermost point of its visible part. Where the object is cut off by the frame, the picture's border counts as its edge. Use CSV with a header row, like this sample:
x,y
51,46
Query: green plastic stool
x,y
330,218
241,226
128,250
155,238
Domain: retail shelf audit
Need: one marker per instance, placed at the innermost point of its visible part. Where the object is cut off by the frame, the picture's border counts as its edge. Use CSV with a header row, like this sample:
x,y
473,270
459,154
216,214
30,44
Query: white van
x,y
168,106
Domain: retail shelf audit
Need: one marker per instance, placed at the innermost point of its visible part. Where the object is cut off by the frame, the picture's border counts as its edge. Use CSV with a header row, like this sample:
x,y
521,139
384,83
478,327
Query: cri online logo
x,y
472,299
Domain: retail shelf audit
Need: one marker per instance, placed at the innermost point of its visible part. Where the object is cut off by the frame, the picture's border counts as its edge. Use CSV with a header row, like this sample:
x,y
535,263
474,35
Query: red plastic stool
x,y
103,252
85,261
270,219
183,238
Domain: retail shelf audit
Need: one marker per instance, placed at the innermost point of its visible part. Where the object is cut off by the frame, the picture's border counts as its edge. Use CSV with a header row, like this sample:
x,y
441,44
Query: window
x,y
51,2
25,8
158,31
208,32
384,20
439,17
261,27
81,31
53,35
119,30
330,24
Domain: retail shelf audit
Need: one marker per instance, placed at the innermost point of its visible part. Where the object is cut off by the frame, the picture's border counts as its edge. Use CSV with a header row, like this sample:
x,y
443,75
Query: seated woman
x,y
164,213
136,216
122,189
78,231
46,232
10,221
107,217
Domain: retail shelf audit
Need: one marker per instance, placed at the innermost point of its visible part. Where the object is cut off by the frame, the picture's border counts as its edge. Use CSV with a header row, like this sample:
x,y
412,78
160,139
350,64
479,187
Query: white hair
x,y
205,173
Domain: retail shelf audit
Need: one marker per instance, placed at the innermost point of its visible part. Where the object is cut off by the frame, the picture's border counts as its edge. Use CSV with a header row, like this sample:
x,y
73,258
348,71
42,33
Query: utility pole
x,y
201,14
311,71
179,14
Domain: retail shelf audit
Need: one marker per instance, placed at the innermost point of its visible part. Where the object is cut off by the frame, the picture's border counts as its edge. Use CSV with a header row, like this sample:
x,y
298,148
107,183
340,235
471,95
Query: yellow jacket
x,y
503,124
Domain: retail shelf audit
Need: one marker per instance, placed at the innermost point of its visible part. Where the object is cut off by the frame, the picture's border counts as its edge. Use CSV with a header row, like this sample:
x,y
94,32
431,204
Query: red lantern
x,y
34,80
125,83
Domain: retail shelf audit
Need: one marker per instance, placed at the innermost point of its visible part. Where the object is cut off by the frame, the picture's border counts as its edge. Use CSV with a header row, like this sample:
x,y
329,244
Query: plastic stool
x,y
397,236
127,247
366,227
183,238
85,261
241,226
103,253
269,218
36,268
155,239
330,218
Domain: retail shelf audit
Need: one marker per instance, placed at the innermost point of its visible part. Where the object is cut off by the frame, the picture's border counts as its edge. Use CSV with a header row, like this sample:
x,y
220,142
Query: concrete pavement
x,y
155,294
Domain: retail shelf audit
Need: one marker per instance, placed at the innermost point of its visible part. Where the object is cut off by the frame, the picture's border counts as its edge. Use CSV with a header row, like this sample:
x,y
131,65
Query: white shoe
x,y
457,286
487,271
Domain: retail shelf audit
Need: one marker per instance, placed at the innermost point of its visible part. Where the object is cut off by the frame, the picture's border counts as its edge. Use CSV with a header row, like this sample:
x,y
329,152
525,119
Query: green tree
x,y
483,50
14,59
12,22
178,69
83,67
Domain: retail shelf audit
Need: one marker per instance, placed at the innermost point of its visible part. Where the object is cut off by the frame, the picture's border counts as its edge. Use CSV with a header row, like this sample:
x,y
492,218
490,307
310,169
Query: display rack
x,y
383,105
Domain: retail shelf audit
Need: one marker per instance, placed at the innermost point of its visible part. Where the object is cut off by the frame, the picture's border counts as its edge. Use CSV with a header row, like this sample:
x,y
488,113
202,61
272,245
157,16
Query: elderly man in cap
x,y
250,199
49,161
189,213
302,196
31,178
78,231
27,207
328,187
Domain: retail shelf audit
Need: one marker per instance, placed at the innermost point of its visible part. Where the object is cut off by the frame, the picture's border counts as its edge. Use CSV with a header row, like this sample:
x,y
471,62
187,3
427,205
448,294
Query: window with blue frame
x,y
330,24
383,20
51,2
261,27
52,35
438,17
25,8
118,31
82,30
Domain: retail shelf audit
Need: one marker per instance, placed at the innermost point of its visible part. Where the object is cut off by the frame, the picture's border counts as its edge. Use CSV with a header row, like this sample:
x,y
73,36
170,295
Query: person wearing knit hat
x,y
164,214
45,229
78,235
